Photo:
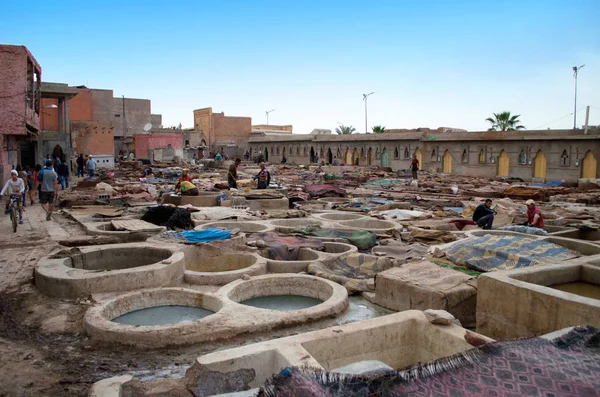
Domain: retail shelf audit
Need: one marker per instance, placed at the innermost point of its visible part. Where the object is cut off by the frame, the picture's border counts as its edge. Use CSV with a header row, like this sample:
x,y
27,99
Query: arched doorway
x,y
447,163
329,156
589,165
419,157
503,164
348,157
370,157
385,162
539,165
355,159
312,154
283,153
266,154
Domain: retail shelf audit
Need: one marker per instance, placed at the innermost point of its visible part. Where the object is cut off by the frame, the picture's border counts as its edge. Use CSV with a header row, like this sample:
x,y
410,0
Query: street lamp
x,y
575,73
365,96
267,114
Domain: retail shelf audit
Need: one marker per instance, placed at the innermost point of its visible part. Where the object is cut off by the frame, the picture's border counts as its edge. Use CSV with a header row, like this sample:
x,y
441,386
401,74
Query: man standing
x,y
63,175
49,188
91,166
264,177
80,164
483,215
232,174
414,166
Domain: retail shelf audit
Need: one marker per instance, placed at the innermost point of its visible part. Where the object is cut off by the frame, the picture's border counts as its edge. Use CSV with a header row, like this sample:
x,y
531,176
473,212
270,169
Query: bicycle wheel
x,y
13,218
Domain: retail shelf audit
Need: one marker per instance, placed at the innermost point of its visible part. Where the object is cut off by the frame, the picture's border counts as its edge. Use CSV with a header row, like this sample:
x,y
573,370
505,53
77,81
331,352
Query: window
x,y
187,143
406,153
305,150
564,159
298,150
482,156
465,156
522,157
277,149
433,155
338,154
396,154
362,153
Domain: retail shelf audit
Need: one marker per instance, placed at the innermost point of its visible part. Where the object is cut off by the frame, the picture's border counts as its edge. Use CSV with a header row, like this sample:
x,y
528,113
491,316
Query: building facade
x,y
217,130
20,106
529,155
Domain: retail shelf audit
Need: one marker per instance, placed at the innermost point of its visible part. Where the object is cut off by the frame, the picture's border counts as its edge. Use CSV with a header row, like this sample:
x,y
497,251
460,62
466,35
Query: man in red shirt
x,y
534,215
414,166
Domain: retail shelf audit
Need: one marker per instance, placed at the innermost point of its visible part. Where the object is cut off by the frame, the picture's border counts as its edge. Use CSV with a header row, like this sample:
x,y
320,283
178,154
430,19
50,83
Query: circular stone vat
x,y
287,225
282,302
115,267
107,229
339,248
286,292
116,258
150,318
339,217
162,315
306,256
215,267
246,227
374,225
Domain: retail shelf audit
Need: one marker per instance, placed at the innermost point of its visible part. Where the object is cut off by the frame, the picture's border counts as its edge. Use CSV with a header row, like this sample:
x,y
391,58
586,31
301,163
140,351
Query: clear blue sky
x,y
431,63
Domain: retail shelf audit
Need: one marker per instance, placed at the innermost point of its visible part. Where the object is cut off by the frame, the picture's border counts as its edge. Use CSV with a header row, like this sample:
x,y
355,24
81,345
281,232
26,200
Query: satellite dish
x,y
148,127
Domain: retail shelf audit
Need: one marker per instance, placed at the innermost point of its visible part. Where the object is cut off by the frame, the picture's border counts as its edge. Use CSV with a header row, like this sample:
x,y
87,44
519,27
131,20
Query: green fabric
x,y
362,239
461,269
384,182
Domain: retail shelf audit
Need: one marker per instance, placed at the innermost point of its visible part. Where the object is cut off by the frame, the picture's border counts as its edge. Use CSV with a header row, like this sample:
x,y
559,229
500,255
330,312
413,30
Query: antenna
x,y
147,127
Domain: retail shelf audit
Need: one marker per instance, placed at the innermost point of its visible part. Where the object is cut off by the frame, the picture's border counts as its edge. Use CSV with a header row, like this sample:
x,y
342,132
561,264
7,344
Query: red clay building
x,y
20,96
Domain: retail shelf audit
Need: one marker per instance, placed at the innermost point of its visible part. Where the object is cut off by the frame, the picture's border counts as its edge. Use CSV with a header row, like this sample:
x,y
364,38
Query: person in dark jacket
x,y
483,215
80,164
263,177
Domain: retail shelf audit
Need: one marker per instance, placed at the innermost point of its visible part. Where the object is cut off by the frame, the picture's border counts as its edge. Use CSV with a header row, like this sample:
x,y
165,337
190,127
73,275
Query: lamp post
x,y
267,114
365,96
575,73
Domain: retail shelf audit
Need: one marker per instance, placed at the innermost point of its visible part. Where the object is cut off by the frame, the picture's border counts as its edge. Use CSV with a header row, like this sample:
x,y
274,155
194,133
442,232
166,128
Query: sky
x,y
430,63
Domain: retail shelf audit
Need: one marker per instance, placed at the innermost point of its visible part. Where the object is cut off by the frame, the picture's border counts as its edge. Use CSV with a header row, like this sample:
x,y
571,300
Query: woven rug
x,y
566,366
492,253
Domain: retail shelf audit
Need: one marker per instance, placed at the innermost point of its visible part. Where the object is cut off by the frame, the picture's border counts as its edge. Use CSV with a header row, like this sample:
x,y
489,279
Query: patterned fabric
x,y
354,271
567,366
492,253
536,231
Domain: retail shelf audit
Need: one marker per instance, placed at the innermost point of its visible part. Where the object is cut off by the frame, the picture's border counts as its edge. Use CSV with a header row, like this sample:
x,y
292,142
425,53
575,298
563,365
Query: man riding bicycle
x,y
14,187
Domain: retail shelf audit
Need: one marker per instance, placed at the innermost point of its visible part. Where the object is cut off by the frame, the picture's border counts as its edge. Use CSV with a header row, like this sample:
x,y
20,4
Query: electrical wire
x,y
554,121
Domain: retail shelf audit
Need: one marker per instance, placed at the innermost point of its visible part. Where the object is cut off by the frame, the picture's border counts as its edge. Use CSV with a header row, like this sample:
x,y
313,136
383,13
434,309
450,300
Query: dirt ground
x,y
43,348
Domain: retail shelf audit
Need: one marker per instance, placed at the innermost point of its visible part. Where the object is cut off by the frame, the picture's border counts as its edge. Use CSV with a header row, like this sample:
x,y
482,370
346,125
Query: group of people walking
x,y
45,180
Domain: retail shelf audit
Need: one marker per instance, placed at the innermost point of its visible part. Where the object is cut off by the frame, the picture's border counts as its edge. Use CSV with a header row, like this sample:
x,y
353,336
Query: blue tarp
x,y
203,236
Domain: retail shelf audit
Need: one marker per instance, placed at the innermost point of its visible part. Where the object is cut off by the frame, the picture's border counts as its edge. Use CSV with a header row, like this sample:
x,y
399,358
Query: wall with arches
x,y
498,157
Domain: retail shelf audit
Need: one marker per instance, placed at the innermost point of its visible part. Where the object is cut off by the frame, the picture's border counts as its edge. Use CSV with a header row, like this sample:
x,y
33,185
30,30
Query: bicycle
x,y
13,210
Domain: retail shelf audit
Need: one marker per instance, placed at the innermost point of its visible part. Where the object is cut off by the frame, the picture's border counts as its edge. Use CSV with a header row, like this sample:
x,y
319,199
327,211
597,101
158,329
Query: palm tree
x,y
344,130
378,129
505,122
